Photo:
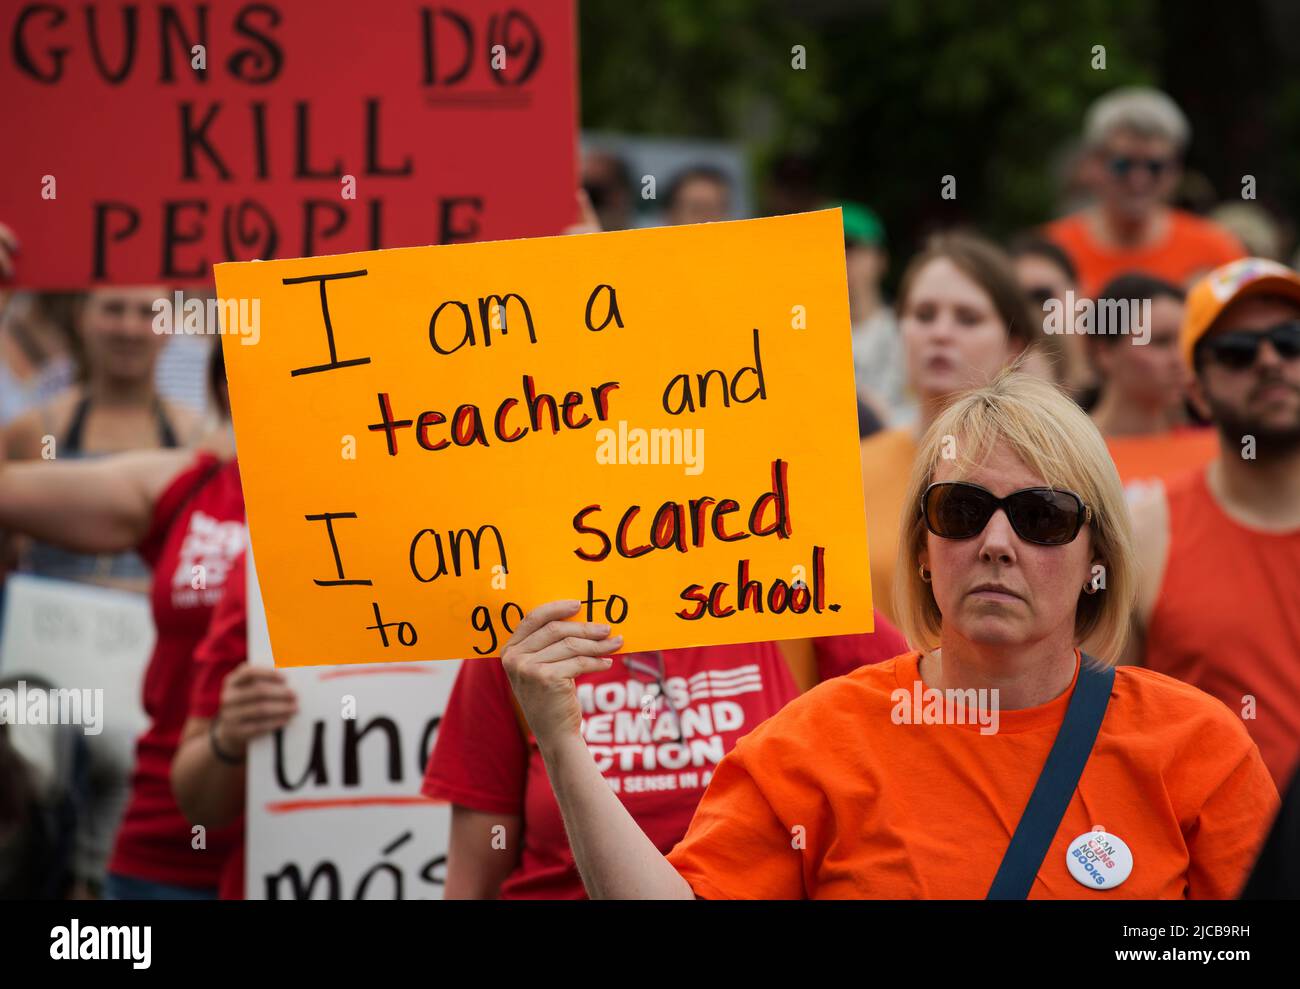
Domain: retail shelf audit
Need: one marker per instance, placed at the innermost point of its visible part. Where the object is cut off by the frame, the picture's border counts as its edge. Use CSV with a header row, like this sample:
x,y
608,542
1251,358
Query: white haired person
x,y
1134,140
997,761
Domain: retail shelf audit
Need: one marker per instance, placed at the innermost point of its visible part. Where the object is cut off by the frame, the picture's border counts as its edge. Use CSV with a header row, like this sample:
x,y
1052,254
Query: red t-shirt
x,y
481,761
222,649
1227,618
196,533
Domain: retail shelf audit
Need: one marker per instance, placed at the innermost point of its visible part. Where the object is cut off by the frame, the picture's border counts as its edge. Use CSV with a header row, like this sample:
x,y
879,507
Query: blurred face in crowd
x,y
700,200
1041,279
866,263
1152,374
1037,587
1262,399
610,197
1136,173
116,329
952,334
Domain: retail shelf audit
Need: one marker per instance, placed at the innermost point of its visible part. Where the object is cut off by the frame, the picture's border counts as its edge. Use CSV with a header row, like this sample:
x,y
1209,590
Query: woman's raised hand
x,y
542,659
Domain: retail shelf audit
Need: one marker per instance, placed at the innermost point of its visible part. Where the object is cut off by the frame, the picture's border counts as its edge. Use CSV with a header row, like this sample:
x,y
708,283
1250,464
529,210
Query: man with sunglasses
x,y
1134,139
1219,598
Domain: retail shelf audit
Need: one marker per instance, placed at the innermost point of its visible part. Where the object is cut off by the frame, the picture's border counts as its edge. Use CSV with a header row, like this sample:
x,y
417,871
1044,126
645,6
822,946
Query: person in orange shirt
x,y
963,317
1135,139
998,760
1219,600
1140,411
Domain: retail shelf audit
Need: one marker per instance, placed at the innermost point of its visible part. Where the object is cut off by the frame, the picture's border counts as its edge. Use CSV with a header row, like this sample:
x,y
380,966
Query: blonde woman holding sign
x,y
998,761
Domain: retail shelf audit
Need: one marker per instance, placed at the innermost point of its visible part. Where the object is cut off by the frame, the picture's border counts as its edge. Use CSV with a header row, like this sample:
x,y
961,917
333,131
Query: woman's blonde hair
x,y
1058,442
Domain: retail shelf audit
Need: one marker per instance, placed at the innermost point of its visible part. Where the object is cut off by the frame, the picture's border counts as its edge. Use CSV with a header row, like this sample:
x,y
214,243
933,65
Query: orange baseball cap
x,y
1223,286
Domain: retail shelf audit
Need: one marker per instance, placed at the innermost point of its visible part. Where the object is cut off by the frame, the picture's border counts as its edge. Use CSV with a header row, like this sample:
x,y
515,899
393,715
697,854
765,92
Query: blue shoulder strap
x,y
1056,783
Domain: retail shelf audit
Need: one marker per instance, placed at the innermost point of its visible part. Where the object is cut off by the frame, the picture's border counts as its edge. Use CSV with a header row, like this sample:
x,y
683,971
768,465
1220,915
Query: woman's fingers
x,y
553,632
541,615
255,712
251,698
569,669
246,685
255,728
542,659
554,655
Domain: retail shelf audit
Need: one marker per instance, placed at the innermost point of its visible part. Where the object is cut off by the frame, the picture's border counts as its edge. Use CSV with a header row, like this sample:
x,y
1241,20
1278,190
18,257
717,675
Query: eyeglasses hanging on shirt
x,y
650,666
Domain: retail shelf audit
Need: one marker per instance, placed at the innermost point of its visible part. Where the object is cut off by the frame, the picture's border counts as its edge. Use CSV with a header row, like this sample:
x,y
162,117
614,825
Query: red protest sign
x,y
145,142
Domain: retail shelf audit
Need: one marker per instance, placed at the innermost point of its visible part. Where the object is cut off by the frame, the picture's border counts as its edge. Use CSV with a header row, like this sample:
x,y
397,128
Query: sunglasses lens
x,y
1047,517
1286,340
1236,350
957,511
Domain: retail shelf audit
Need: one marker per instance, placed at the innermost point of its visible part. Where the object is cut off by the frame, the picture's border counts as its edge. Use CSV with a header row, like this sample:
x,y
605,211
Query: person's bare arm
x,y
208,791
483,850
22,437
615,858
87,506
1151,541
254,702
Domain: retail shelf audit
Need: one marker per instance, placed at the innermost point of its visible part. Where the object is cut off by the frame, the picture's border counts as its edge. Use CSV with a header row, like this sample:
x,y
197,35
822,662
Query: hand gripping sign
x,y
659,423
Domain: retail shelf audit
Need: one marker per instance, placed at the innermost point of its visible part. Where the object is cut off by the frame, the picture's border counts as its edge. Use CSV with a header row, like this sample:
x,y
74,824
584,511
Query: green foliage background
x,y
898,93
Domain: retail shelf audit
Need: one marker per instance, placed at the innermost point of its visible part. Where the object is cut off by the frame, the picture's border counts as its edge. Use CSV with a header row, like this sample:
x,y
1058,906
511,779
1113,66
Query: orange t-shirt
x,y
1191,247
1227,618
1142,460
887,459
832,799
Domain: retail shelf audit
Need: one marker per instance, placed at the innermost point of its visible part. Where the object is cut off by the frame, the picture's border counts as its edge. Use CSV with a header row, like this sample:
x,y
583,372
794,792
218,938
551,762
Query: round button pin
x,y
1099,860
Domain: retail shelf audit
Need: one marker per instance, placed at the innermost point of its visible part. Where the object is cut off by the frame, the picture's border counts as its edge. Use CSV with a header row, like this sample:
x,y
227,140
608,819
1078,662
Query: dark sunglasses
x,y
1120,166
1237,350
1046,516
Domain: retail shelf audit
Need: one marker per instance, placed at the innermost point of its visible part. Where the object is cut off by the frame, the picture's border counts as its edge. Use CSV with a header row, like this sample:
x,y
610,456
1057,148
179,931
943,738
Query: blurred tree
x,y
986,92
896,94
720,69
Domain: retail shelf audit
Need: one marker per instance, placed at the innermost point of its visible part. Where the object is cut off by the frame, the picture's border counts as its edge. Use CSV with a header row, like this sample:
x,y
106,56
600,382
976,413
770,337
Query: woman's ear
x,y
1096,573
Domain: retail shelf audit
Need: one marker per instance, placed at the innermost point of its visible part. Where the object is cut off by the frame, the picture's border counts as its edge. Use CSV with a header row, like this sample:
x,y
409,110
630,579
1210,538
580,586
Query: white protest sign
x,y
334,809
83,638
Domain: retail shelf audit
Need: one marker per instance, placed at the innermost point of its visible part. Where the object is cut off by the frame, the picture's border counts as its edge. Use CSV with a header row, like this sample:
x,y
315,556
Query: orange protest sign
x,y
660,423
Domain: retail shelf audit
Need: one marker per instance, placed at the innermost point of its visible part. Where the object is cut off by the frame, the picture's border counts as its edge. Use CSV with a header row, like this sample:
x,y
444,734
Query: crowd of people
x,y
1081,462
